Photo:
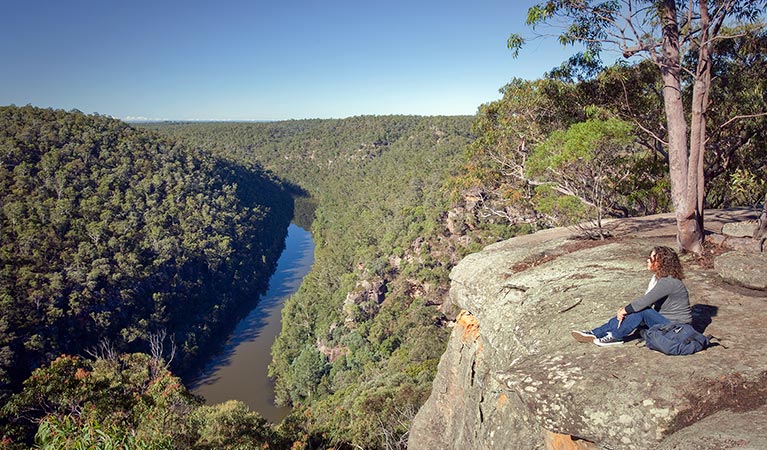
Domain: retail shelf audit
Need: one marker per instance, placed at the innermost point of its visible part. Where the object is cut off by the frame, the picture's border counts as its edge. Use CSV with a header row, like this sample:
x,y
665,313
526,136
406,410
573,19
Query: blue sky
x,y
258,60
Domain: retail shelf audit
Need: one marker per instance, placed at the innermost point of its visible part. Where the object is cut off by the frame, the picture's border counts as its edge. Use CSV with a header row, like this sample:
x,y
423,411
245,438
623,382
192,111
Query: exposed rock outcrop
x,y
513,378
739,229
743,269
364,301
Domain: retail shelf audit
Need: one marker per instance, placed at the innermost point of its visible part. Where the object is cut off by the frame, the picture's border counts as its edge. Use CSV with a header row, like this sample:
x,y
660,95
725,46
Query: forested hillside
x,y
362,337
113,237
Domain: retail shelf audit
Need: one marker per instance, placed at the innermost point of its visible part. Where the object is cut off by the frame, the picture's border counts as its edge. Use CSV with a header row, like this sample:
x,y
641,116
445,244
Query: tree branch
x,y
747,116
562,190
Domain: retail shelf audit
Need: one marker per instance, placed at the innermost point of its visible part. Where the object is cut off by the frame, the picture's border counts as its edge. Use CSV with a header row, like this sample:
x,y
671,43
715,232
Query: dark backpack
x,y
675,339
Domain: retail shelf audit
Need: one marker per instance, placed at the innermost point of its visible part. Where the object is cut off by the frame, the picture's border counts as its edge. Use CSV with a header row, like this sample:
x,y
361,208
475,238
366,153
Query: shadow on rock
x,y
701,316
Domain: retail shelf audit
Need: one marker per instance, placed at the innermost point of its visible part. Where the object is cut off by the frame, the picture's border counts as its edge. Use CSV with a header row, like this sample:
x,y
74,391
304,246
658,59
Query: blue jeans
x,y
647,317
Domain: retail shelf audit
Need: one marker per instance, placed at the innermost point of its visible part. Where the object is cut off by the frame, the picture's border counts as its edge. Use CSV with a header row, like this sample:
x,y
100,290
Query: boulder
x,y
739,229
743,269
743,244
513,378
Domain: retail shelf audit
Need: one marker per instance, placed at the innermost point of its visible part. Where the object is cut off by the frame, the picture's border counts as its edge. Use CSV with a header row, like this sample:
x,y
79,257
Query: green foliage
x,y
308,369
539,13
70,433
747,187
584,168
581,145
110,232
231,425
598,140
377,417
590,22
697,51
131,397
737,149
515,43
303,213
507,130
568,209
128,402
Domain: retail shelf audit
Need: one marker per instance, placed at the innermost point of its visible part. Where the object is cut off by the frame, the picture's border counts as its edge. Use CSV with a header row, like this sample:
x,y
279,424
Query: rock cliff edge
x,y
513,378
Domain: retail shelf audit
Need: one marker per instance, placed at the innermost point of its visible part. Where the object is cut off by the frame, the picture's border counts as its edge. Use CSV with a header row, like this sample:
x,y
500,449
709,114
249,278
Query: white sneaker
x,y
607,340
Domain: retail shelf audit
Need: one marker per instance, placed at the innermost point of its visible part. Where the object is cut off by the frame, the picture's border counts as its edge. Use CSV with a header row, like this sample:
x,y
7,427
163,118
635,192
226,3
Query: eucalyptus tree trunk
x,y
685,161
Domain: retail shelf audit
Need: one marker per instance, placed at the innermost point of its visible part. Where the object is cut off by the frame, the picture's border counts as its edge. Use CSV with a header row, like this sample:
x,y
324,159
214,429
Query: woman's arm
x,y
662,288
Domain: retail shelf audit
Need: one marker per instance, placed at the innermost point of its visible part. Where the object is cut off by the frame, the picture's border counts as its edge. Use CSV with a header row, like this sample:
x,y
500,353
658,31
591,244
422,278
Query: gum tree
x,y
662,32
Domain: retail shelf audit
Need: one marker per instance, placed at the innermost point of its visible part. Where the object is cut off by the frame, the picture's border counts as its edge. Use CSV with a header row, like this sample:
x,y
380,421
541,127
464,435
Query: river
x,y
239,372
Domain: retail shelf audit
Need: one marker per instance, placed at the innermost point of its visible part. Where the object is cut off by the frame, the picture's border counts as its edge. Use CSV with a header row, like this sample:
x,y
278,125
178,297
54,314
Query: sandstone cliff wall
x,y
513,378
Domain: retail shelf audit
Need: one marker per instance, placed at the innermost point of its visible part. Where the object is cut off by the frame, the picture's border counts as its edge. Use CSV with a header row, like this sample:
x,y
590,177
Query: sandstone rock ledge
x,y
513,378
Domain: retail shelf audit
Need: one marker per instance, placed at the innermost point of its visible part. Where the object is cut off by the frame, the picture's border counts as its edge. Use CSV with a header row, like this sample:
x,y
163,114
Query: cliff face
x,y
513,378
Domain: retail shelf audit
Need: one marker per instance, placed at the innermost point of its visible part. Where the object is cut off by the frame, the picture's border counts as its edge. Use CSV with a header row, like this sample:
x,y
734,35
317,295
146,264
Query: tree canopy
x,y
664,32
114,233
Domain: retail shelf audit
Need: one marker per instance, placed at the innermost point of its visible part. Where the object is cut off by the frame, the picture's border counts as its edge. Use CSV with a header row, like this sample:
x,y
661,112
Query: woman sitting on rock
x,y
666,300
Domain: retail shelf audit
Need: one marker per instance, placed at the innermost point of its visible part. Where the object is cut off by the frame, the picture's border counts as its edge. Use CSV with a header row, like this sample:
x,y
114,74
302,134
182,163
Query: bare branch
x,y
157,350
736,118
513,216
564,190
688,71
636,122
103,350
689,13
628,52
654,136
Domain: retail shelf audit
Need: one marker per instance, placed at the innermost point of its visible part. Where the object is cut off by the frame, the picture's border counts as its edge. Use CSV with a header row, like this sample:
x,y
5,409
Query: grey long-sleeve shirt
x,y
669,297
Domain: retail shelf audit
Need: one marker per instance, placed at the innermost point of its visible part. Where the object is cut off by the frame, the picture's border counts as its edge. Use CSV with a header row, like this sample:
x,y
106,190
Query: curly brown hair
x,y
668,264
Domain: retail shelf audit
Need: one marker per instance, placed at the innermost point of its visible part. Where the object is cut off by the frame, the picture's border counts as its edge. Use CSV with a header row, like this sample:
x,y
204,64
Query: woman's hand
x,y
620,315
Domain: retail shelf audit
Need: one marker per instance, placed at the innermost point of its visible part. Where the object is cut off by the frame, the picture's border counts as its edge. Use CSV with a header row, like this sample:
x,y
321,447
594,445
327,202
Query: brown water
x,y
240,371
